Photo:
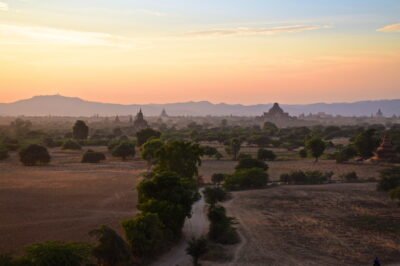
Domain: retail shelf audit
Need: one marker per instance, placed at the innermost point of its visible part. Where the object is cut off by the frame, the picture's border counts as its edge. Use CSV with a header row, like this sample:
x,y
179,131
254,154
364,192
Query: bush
x,y
144,234
124,149
242,156
3,153
217,178
265,155
350,177
389,179
58,253
197,247
305,178
145,134
246,179
249,163
346,154
93,157
71,145
221,226
213,195
303,153
33,154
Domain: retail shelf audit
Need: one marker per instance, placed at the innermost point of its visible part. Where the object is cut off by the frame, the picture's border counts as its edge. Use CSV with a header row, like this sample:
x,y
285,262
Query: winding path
x,y
196,226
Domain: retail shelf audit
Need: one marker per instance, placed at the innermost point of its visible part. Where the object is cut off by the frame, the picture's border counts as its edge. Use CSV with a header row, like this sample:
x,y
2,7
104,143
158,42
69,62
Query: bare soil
x,y
64,200
316,225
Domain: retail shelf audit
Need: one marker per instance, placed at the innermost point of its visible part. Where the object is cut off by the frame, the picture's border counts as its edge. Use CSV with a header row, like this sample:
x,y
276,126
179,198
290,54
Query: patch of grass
x,y
377,223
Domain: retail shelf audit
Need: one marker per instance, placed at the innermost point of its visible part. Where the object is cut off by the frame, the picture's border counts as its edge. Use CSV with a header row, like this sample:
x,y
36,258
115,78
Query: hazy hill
x,y
57,105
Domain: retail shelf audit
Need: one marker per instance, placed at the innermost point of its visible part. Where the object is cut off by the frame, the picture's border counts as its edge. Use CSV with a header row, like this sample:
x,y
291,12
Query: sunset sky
x,y
233,51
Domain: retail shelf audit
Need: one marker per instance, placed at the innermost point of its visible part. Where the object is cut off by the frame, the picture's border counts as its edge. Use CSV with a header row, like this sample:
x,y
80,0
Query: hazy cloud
x,y
254,31
44,35
3,6
390,28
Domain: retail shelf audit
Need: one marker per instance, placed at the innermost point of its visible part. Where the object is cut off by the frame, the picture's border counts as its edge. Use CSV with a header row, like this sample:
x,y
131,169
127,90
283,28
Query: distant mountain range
x,y
57,105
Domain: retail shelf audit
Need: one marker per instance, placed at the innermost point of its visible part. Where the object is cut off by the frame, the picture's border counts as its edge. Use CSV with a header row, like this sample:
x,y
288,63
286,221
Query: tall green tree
x,y
179,156
235,146
366,143
124,149
150,150
80,130
315,146
145,134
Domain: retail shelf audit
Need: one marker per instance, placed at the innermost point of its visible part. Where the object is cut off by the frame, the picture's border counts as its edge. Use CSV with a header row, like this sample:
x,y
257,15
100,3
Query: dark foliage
x,y
34,154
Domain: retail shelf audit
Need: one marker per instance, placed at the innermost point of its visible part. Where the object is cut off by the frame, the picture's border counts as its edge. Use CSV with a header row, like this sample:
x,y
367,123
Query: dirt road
x,y
196,226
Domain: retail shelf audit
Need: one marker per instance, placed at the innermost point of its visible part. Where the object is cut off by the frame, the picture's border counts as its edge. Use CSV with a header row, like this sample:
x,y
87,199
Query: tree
x,y
145,134
315,146
117,132
91,156
213,195
112,250
179,156
217,178
170,196
144,233
266,155
71,145
248,163
33,154
234,147
389,179
58,253
366,143
222,228
150,149
270,128
196,248
260,140
246,179
124,149
209,151
80,130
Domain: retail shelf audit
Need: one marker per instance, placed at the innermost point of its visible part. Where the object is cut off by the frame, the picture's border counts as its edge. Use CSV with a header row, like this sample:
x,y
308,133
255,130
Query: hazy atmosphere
x,y
199,133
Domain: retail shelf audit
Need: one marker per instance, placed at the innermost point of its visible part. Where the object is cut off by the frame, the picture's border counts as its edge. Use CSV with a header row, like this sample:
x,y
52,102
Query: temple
x,y
140,123
164,114
385,151
276,112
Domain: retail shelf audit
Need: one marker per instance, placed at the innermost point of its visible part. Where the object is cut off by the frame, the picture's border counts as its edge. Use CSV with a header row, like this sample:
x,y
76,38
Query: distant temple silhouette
x,y
140,123
385,151
276,112
164,114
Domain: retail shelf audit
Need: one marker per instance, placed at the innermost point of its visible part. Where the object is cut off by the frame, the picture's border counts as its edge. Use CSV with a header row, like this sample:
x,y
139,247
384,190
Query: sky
x,y
232,51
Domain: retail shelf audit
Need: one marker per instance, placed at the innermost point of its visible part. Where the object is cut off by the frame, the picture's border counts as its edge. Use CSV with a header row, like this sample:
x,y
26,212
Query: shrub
x,y
243,155
217,178
213,195
303,153
305,178
346,154
58,253
93,157
3,153
221,226
197,247
124,149
209,151
265,155
350,177
145,134
246,179
389,179
144,234
33,154
112,249
249,163
71,145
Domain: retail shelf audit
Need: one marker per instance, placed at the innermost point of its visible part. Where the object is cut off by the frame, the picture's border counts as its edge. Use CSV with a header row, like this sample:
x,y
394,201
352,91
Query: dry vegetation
x,y
65,200
336,224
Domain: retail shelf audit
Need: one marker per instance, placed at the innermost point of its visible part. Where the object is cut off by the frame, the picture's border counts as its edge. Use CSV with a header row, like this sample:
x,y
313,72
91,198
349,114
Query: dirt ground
x,y
316,225
64,200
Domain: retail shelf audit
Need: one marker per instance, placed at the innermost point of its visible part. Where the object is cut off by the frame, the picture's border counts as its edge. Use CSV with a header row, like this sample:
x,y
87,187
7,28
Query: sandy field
x,y
317,225
64,200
